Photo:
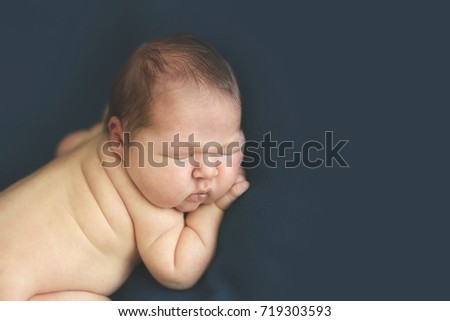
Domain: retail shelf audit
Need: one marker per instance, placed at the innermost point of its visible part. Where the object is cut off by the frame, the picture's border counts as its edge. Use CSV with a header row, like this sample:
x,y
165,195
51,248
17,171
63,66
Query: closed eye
x,y
179,157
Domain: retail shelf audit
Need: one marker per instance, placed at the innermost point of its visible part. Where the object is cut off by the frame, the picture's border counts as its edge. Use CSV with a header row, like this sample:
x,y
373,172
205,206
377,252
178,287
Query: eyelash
x,y
184,157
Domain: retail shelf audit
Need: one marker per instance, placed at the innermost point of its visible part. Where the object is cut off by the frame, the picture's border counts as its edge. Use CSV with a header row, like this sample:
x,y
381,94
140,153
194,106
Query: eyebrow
x,y
192,143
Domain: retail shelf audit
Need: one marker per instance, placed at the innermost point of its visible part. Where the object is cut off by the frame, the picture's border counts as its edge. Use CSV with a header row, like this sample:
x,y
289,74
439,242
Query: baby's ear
x,y
115,130
115,134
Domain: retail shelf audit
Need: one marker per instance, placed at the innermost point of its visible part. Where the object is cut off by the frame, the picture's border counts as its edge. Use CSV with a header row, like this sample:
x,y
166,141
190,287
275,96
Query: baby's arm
x,y
77,138
178,256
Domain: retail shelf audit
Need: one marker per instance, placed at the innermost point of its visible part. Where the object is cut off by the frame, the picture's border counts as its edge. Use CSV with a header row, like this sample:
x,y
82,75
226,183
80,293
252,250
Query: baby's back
x,y
64,228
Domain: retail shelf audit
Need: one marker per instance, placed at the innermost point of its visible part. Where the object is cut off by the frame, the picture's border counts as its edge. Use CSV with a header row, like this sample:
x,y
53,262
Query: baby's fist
x,y
239,187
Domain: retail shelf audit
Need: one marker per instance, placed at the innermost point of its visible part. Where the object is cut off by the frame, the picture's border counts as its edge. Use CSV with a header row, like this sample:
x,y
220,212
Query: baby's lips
x,y
198,197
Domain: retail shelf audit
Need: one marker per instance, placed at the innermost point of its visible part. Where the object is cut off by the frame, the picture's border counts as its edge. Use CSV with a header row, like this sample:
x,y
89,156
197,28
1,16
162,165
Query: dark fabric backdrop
x,y
374,74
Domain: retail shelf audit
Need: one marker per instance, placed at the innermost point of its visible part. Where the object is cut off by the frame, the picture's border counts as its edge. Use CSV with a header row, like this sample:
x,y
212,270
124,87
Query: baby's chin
x,y
187,206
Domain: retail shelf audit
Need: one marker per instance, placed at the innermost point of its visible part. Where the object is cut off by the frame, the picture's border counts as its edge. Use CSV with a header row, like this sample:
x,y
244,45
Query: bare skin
x,y
61,238
74,230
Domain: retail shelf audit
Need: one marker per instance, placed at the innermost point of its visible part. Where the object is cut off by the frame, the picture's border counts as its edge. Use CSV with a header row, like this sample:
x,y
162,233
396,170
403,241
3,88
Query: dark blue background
x,y
376,74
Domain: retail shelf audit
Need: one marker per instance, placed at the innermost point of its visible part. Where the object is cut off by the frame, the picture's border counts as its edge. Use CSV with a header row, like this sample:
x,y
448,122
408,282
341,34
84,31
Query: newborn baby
x,y
151,183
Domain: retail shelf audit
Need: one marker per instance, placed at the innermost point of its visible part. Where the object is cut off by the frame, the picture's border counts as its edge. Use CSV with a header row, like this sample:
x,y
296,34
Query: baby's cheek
x,y
228,176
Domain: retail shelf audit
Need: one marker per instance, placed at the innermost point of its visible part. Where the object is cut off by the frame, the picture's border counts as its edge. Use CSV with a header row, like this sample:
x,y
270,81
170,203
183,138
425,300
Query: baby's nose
x,y
205,169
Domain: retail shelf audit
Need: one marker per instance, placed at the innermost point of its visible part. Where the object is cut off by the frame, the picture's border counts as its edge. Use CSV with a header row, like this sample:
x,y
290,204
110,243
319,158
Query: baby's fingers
x,y
235,191
241,176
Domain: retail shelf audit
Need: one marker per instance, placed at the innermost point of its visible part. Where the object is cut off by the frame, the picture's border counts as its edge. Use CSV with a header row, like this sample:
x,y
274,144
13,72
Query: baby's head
x,y
177,61
179,99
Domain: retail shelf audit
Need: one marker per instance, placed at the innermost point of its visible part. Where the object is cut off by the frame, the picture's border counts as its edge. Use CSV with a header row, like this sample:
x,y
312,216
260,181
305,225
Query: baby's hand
x,y
239,187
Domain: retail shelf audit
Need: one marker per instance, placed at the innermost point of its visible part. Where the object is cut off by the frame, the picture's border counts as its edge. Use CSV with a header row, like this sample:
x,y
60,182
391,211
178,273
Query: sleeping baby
x,y
150,184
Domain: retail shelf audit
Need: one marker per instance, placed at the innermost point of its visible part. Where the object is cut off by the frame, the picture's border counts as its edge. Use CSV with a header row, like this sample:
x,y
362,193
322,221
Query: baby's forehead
x,y
195,138
194,135
176,106
183,111
179,90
